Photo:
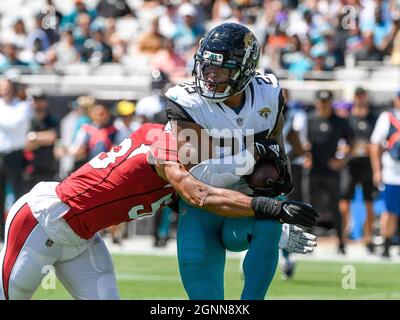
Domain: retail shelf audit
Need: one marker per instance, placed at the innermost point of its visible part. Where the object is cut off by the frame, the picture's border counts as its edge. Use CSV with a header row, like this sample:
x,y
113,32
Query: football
x,y
263,173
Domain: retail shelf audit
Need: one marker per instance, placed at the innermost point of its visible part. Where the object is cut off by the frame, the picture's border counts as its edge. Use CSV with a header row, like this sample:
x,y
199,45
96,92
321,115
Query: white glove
x,y
295,239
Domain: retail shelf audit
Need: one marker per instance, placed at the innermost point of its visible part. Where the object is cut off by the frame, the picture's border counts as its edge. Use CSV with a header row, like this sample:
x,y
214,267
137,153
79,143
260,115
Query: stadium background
x,y
309,45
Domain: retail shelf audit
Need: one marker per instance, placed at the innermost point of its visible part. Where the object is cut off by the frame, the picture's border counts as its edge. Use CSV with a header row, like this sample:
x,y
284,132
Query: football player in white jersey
x,y
215,118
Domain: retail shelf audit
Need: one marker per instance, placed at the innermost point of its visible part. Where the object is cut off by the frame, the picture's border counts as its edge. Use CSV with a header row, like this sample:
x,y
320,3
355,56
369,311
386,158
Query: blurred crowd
x,y
338,147
295,35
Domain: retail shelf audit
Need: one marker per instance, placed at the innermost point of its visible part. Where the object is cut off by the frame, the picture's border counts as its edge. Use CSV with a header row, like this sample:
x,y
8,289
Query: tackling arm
x,y
196,154
219,201
231,203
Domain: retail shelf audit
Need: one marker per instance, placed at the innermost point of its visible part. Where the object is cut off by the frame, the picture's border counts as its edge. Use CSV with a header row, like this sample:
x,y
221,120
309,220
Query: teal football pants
x,y
202,239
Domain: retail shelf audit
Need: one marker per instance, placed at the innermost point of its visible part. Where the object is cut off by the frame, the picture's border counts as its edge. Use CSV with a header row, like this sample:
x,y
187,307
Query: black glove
x,y
292,212
268,149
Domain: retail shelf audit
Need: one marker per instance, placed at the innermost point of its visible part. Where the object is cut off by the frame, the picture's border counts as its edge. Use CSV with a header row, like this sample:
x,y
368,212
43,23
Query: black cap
x,y
359,91
324,95
37,93
159,79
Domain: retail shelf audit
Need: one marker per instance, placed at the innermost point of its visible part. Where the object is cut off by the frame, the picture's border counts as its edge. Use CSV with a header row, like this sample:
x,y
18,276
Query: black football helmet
x,y
225,62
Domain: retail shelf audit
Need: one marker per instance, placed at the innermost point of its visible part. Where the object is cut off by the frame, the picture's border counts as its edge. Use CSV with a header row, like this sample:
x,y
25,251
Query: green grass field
x,y
157,277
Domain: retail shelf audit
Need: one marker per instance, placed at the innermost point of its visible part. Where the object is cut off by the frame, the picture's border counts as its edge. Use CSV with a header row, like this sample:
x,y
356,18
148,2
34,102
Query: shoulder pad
x,y
267,78
184,94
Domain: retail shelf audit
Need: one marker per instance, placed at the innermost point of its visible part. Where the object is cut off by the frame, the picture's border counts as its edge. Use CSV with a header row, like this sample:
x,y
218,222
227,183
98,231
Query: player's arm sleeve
x,y
224,172
219,201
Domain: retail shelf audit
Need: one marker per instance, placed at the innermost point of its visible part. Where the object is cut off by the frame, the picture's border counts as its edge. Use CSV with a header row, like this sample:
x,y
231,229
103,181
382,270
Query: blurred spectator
x,y
14,124
82,106
51,22
125,121
380,27
205,9
9,57
98,136
168,20
79,8
118,47
277,42
238,15
151,42
222,10
359,170
17,35
342,108
385,160
64,52
324,131
354,41
298,59
189,31
113,8
334,52
369,51
152,107
21,91
69,128
35,57
40,162
58,17
38,36
81,31
170,62
95,50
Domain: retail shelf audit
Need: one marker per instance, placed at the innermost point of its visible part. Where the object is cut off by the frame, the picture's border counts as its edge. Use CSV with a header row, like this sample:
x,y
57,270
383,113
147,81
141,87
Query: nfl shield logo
x,y
239,121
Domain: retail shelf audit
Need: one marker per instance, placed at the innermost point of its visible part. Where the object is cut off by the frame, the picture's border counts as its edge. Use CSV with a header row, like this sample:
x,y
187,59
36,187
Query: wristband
x,y
265,208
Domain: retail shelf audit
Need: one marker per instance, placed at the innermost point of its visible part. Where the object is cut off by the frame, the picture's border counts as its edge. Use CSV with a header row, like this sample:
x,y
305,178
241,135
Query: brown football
x,y
262,173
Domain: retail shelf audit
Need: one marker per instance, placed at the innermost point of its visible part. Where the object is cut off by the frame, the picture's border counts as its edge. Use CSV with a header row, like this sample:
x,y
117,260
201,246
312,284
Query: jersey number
x,y
266,78
103,160
189,87
155,206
